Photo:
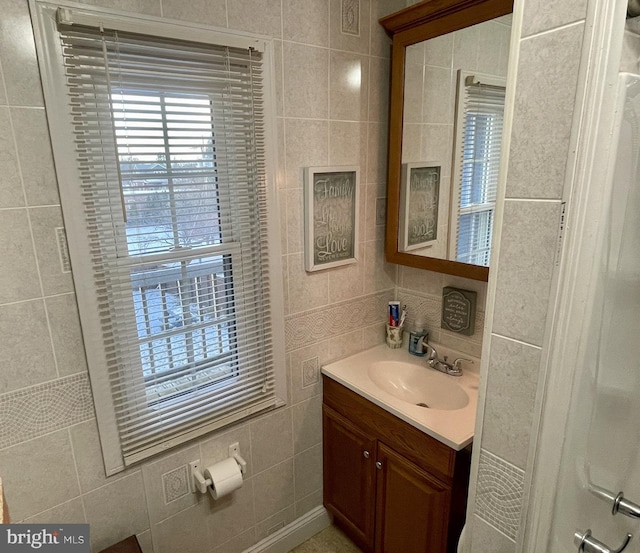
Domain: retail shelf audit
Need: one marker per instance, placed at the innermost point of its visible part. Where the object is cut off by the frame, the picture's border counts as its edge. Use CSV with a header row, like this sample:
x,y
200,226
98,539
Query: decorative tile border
x,y
38,410
424,305
175,484
309,327
310,372
499,494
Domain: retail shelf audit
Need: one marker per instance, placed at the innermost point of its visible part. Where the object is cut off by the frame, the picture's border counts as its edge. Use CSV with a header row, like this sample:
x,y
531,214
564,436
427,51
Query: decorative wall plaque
x,y
331,216
458,310
350,11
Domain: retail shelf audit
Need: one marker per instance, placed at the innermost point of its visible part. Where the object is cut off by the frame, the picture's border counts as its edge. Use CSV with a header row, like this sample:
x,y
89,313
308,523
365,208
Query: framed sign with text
x,y
419,197
459,310
330,216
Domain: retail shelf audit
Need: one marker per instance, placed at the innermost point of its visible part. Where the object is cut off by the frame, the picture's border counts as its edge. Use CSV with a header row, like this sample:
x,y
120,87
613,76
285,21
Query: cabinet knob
x,y
365,454
378,465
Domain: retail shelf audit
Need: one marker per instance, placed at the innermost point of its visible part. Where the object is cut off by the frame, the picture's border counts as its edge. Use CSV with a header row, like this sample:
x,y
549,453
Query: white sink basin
x,y
418,385
399,382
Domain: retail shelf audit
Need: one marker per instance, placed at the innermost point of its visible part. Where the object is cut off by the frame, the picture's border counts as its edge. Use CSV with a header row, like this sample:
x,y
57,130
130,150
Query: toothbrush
x,y
403,316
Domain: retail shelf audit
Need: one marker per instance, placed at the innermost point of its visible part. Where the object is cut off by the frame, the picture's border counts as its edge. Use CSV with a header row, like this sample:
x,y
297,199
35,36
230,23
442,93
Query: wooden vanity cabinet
x,y
390,487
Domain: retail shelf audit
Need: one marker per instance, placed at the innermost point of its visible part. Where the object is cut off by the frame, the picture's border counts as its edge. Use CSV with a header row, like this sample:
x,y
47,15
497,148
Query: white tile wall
x,y
538,18
50,457
116,511
231,515
209,12
19,65
11,194
546,88
323,119
28,359
19,279
36,161
271,439
511,387
325,115
526,262
274,489
485,537
546,91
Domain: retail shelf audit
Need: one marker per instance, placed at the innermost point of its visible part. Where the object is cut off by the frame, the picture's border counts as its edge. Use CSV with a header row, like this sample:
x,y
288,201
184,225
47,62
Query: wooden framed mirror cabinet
x,y
410,29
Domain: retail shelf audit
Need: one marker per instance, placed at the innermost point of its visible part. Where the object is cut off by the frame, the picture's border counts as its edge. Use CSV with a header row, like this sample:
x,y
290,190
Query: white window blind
x,y
481,104
171,164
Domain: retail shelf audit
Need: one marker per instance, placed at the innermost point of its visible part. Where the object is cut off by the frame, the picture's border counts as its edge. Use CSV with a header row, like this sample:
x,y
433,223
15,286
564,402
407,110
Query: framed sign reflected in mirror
x,y
419,200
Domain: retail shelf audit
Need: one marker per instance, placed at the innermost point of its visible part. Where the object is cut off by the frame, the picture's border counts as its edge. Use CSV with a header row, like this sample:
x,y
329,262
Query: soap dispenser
x,y
418,333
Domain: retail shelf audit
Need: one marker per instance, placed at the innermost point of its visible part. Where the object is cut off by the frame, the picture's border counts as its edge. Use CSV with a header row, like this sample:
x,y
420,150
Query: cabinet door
x,y
412,507
349,486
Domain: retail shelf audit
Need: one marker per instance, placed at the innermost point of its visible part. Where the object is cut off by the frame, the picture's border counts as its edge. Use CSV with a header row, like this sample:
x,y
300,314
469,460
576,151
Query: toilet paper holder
x,y
201,484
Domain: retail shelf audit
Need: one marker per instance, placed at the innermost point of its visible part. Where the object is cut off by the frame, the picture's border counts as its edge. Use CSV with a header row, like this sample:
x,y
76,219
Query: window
x,y
477,166
175,256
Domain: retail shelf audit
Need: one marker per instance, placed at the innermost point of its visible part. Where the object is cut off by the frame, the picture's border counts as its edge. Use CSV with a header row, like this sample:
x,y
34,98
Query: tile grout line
x,y
516,468
562,27
42,108
285,173
293,458
28,206
342,303
79,496
253,474
146,502
333,49
515,340
37,298
75,468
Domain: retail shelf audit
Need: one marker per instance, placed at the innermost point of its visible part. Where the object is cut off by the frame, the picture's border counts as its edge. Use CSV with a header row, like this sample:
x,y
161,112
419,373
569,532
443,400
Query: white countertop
x,y
452,427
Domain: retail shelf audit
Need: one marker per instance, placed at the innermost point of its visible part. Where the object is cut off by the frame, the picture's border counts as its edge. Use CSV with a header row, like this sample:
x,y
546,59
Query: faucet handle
x,y
456,363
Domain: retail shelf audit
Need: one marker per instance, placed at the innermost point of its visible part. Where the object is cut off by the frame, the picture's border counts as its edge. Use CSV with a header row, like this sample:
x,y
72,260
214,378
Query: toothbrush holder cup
x,y
394,336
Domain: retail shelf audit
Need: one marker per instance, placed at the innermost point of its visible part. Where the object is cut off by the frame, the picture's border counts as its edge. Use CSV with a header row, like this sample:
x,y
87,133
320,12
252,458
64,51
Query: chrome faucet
x,y
442,365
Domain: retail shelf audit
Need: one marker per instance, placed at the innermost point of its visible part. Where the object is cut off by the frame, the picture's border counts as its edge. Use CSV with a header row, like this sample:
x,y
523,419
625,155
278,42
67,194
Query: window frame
x,y
45,17
126,259
455,210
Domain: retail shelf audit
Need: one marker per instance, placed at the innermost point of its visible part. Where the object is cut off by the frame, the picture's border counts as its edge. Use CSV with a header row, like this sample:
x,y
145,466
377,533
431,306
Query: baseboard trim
x,y
292,535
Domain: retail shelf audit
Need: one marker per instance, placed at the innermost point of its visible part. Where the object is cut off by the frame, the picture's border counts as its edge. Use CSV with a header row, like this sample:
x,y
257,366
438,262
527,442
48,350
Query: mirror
x,y
448,80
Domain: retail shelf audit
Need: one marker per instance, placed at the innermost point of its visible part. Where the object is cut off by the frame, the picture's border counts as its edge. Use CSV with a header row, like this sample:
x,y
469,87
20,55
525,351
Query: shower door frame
x,y
585,193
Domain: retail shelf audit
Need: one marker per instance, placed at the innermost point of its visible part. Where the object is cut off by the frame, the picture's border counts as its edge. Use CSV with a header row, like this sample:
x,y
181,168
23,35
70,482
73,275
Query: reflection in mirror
x,y
452,132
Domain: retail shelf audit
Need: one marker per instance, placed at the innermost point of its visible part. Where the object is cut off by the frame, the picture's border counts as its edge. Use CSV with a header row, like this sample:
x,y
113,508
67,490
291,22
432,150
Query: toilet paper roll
x,y
225,477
